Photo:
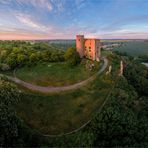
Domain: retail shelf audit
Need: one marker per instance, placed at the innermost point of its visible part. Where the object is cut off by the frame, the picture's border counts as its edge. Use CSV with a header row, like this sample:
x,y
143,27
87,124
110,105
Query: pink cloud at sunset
x,y
60,19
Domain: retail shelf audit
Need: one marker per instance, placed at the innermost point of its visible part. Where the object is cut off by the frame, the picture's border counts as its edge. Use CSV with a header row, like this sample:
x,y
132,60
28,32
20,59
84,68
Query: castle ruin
x,y
88,48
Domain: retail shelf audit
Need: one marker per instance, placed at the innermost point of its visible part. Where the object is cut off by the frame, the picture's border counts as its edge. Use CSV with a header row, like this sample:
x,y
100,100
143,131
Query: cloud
x,y
28,21
45,4
12,33
66,18
58,5
125,33
119,23
42,4
80,3
5,2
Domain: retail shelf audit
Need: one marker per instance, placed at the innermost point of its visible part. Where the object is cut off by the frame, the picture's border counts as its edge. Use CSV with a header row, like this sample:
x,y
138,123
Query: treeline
x,y
9,123
137,76
19,53
143,58
123,122
63,46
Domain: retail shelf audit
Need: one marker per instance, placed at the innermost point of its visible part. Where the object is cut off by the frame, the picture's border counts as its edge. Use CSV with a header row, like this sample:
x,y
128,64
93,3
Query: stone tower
x,y
80,45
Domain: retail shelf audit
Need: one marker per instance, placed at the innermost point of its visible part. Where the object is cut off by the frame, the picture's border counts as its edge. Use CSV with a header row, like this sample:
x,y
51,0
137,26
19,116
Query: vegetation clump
x,y
16,54
72,56
143,58
121,122
9,123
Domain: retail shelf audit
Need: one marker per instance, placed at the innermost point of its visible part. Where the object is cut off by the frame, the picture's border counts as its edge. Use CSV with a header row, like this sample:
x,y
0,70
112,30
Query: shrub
x,y
72,56
4,67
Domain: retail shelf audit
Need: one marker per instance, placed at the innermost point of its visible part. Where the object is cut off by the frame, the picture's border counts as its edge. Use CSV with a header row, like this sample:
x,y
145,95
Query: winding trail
x,y
51,89
85,124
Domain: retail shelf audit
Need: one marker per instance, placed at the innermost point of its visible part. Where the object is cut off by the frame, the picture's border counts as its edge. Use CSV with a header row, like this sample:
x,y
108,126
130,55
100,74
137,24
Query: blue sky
x,y
63,19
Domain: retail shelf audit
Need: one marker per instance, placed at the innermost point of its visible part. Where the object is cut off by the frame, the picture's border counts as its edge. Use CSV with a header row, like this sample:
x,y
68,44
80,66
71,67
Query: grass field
x,y
106,53
64,112
135,48
55,74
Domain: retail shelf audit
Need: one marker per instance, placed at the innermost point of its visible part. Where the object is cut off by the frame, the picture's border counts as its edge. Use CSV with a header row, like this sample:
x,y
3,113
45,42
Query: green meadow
x,y
56,74
63,112
134,48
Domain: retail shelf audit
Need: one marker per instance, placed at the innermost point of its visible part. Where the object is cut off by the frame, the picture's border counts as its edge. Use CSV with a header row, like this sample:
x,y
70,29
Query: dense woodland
x,y
15,54
143,58
122,122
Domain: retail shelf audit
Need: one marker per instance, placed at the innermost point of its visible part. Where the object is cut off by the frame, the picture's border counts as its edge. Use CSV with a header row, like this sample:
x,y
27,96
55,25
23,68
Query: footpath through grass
x,y
56,74
64,112
60,113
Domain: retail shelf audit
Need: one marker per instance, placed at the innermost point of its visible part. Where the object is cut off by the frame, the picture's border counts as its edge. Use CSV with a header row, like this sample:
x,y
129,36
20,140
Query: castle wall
x,y
89,48
98,50
80,45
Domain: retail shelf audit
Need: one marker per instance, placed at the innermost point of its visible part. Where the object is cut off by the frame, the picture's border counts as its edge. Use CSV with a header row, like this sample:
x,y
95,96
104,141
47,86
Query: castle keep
x,y
88,48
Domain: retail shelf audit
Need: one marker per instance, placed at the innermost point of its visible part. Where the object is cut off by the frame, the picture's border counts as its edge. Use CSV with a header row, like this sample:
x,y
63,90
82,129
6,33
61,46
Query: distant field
x,y
106,53
134,48
55,74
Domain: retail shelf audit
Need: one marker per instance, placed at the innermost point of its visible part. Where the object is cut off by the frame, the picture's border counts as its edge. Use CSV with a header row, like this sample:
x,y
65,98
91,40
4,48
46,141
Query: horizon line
x,y
65,39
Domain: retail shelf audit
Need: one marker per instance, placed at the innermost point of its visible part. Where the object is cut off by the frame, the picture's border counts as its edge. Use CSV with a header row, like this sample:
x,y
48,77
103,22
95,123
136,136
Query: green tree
x,y
21,59
11,60
33,58
3,55
9,96
72,56
136,75
69,53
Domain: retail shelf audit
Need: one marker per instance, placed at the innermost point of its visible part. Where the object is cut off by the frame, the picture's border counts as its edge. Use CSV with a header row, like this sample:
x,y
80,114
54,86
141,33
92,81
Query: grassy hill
x,y
135,48
56,74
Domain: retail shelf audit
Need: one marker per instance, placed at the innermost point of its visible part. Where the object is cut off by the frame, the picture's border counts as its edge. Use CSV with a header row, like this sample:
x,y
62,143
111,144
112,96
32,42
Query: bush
x,y
4,67
18,53
9,96
72,56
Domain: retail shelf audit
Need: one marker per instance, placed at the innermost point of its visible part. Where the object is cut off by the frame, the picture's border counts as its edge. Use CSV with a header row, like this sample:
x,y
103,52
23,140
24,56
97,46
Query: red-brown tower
x,y
80,45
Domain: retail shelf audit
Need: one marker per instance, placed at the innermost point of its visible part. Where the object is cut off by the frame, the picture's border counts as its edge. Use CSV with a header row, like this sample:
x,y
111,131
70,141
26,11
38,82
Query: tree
x,y
3,55
9,96
72,56
4,67
117,124
21,58
114,126
11,60
69,53
136,75
33,58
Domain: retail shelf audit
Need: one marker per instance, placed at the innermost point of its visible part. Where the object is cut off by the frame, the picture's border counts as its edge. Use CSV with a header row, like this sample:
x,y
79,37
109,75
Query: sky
x,y
63,19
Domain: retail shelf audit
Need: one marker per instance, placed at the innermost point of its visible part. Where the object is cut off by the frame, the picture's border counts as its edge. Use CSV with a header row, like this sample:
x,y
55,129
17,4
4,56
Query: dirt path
x,y
50,89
